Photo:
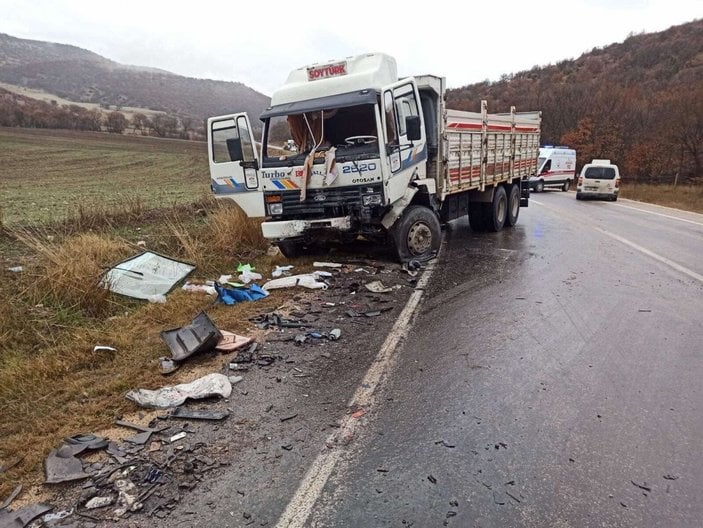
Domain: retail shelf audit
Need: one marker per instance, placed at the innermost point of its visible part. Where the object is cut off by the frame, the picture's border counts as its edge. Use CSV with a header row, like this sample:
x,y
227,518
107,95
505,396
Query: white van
x,y
599,179
556,166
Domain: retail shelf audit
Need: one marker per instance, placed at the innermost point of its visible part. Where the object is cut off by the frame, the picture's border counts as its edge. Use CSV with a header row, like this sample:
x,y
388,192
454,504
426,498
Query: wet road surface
x,y
553,378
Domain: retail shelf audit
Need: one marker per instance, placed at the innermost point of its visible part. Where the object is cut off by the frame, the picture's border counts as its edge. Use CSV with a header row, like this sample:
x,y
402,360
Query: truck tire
x,y
498,210
416,234
291,248
539,186
566,186
513,205
578,196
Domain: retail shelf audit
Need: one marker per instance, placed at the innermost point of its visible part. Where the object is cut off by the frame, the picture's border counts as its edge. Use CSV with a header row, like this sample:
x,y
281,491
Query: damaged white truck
x,y
375,157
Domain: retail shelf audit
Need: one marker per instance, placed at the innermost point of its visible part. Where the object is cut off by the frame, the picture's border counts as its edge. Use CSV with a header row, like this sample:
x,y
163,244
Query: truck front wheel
x,y
291,248
417,233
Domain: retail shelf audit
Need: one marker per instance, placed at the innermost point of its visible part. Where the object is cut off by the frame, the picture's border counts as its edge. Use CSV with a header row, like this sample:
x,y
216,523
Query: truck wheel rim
x,y
419,238
501,210
514,206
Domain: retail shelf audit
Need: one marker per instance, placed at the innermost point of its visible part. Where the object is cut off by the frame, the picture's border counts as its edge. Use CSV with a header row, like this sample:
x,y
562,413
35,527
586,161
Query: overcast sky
x,y
259,42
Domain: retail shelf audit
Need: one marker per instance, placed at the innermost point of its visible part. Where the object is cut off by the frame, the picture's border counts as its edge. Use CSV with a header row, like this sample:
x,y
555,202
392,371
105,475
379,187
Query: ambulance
x,y
556,167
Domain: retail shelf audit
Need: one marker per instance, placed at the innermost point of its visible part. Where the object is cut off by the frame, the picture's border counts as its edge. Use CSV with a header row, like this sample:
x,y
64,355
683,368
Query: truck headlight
x,y
275,209
371,199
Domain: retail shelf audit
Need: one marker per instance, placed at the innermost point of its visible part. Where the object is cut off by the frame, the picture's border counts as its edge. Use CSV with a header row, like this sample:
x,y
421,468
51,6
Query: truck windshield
x,y
351,130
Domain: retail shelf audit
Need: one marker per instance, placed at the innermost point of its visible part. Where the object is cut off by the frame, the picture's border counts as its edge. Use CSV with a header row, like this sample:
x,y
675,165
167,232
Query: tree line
x,y
20,111
638,103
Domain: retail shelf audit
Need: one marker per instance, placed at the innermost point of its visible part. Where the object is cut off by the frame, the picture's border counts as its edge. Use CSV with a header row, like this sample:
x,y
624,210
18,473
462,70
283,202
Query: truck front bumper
x,y
283,229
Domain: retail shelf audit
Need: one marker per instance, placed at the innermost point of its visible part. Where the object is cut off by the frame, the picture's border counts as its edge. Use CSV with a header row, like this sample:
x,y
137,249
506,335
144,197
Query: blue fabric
x,y
231,296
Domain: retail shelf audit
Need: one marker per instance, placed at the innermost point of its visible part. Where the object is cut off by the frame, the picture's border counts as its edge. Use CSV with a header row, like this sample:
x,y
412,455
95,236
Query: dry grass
x,y
52,384
687,197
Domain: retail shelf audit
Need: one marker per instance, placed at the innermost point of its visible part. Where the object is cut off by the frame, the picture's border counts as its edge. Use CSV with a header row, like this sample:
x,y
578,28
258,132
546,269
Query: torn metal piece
x,y
197,414
167,365
200,335
139,438
63,468
22,517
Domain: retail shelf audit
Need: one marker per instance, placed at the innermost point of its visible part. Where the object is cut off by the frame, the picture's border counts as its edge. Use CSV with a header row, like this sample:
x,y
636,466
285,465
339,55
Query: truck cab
x,y
359,134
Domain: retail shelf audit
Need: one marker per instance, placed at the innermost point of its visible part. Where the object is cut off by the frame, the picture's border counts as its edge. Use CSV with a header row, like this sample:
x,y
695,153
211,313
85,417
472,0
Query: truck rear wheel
x,y
498,210
513,205
417,233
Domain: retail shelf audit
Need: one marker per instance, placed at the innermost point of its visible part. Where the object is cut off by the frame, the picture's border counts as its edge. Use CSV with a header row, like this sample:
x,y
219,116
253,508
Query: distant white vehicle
x,y
599,179
556,166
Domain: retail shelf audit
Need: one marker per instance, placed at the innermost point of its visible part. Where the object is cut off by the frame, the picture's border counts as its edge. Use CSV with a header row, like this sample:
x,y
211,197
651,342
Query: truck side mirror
x,y
412,127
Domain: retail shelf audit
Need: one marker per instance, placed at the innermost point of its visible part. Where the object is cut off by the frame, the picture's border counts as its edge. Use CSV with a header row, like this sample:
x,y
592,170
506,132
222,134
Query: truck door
x,y
401,101
234,162
405,138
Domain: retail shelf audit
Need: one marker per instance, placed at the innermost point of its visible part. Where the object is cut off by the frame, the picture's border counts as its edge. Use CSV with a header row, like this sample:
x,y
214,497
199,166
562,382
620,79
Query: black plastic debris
x,y
269,320
144,432
641,486
62,465
22,517
197,414
201,335
432,479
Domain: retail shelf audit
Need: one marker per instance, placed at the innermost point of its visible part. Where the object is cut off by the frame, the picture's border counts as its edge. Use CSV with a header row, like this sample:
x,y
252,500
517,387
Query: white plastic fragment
x,y
211,385
247,276
327,265
280,270
378,287
210,290
308,280
235,379
101,348
98,502
16,269
157,299
177,437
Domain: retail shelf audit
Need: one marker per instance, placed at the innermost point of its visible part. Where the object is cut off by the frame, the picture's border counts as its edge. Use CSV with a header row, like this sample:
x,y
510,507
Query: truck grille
x,y
320,203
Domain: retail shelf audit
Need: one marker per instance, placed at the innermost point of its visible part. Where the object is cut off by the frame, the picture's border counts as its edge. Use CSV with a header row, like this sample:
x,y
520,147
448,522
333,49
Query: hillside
x,y
86,77
639,102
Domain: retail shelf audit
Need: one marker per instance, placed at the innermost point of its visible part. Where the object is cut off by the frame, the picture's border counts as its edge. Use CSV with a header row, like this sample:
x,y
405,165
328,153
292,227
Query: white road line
x,y
301,505
656,256
659,214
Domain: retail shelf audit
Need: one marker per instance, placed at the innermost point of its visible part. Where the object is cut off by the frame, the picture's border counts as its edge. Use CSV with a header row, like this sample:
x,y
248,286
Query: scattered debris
x,y
248,276
327,265
497,499
308,280
335,334
145,275
10,464
641,486
289,417
265,321
23,516
359,413
231,341
234,295
644,311
235,379
281,270
671,477
201,335
204,288
444,444
377,287
513,497
210,385
16,269
178,436
197,414
99,502
432,479
167,365
157,299
62,465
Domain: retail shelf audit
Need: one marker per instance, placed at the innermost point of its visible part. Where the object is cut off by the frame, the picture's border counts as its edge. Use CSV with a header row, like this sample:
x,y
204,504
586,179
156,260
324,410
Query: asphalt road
x,y
552,378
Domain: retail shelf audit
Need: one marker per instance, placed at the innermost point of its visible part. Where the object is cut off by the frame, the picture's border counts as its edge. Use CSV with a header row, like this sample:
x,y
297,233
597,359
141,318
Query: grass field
x,y
73,204
687,197
46,175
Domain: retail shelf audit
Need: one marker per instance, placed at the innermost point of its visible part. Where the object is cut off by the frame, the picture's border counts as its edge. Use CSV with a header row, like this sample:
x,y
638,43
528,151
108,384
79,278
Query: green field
x,y
46,175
